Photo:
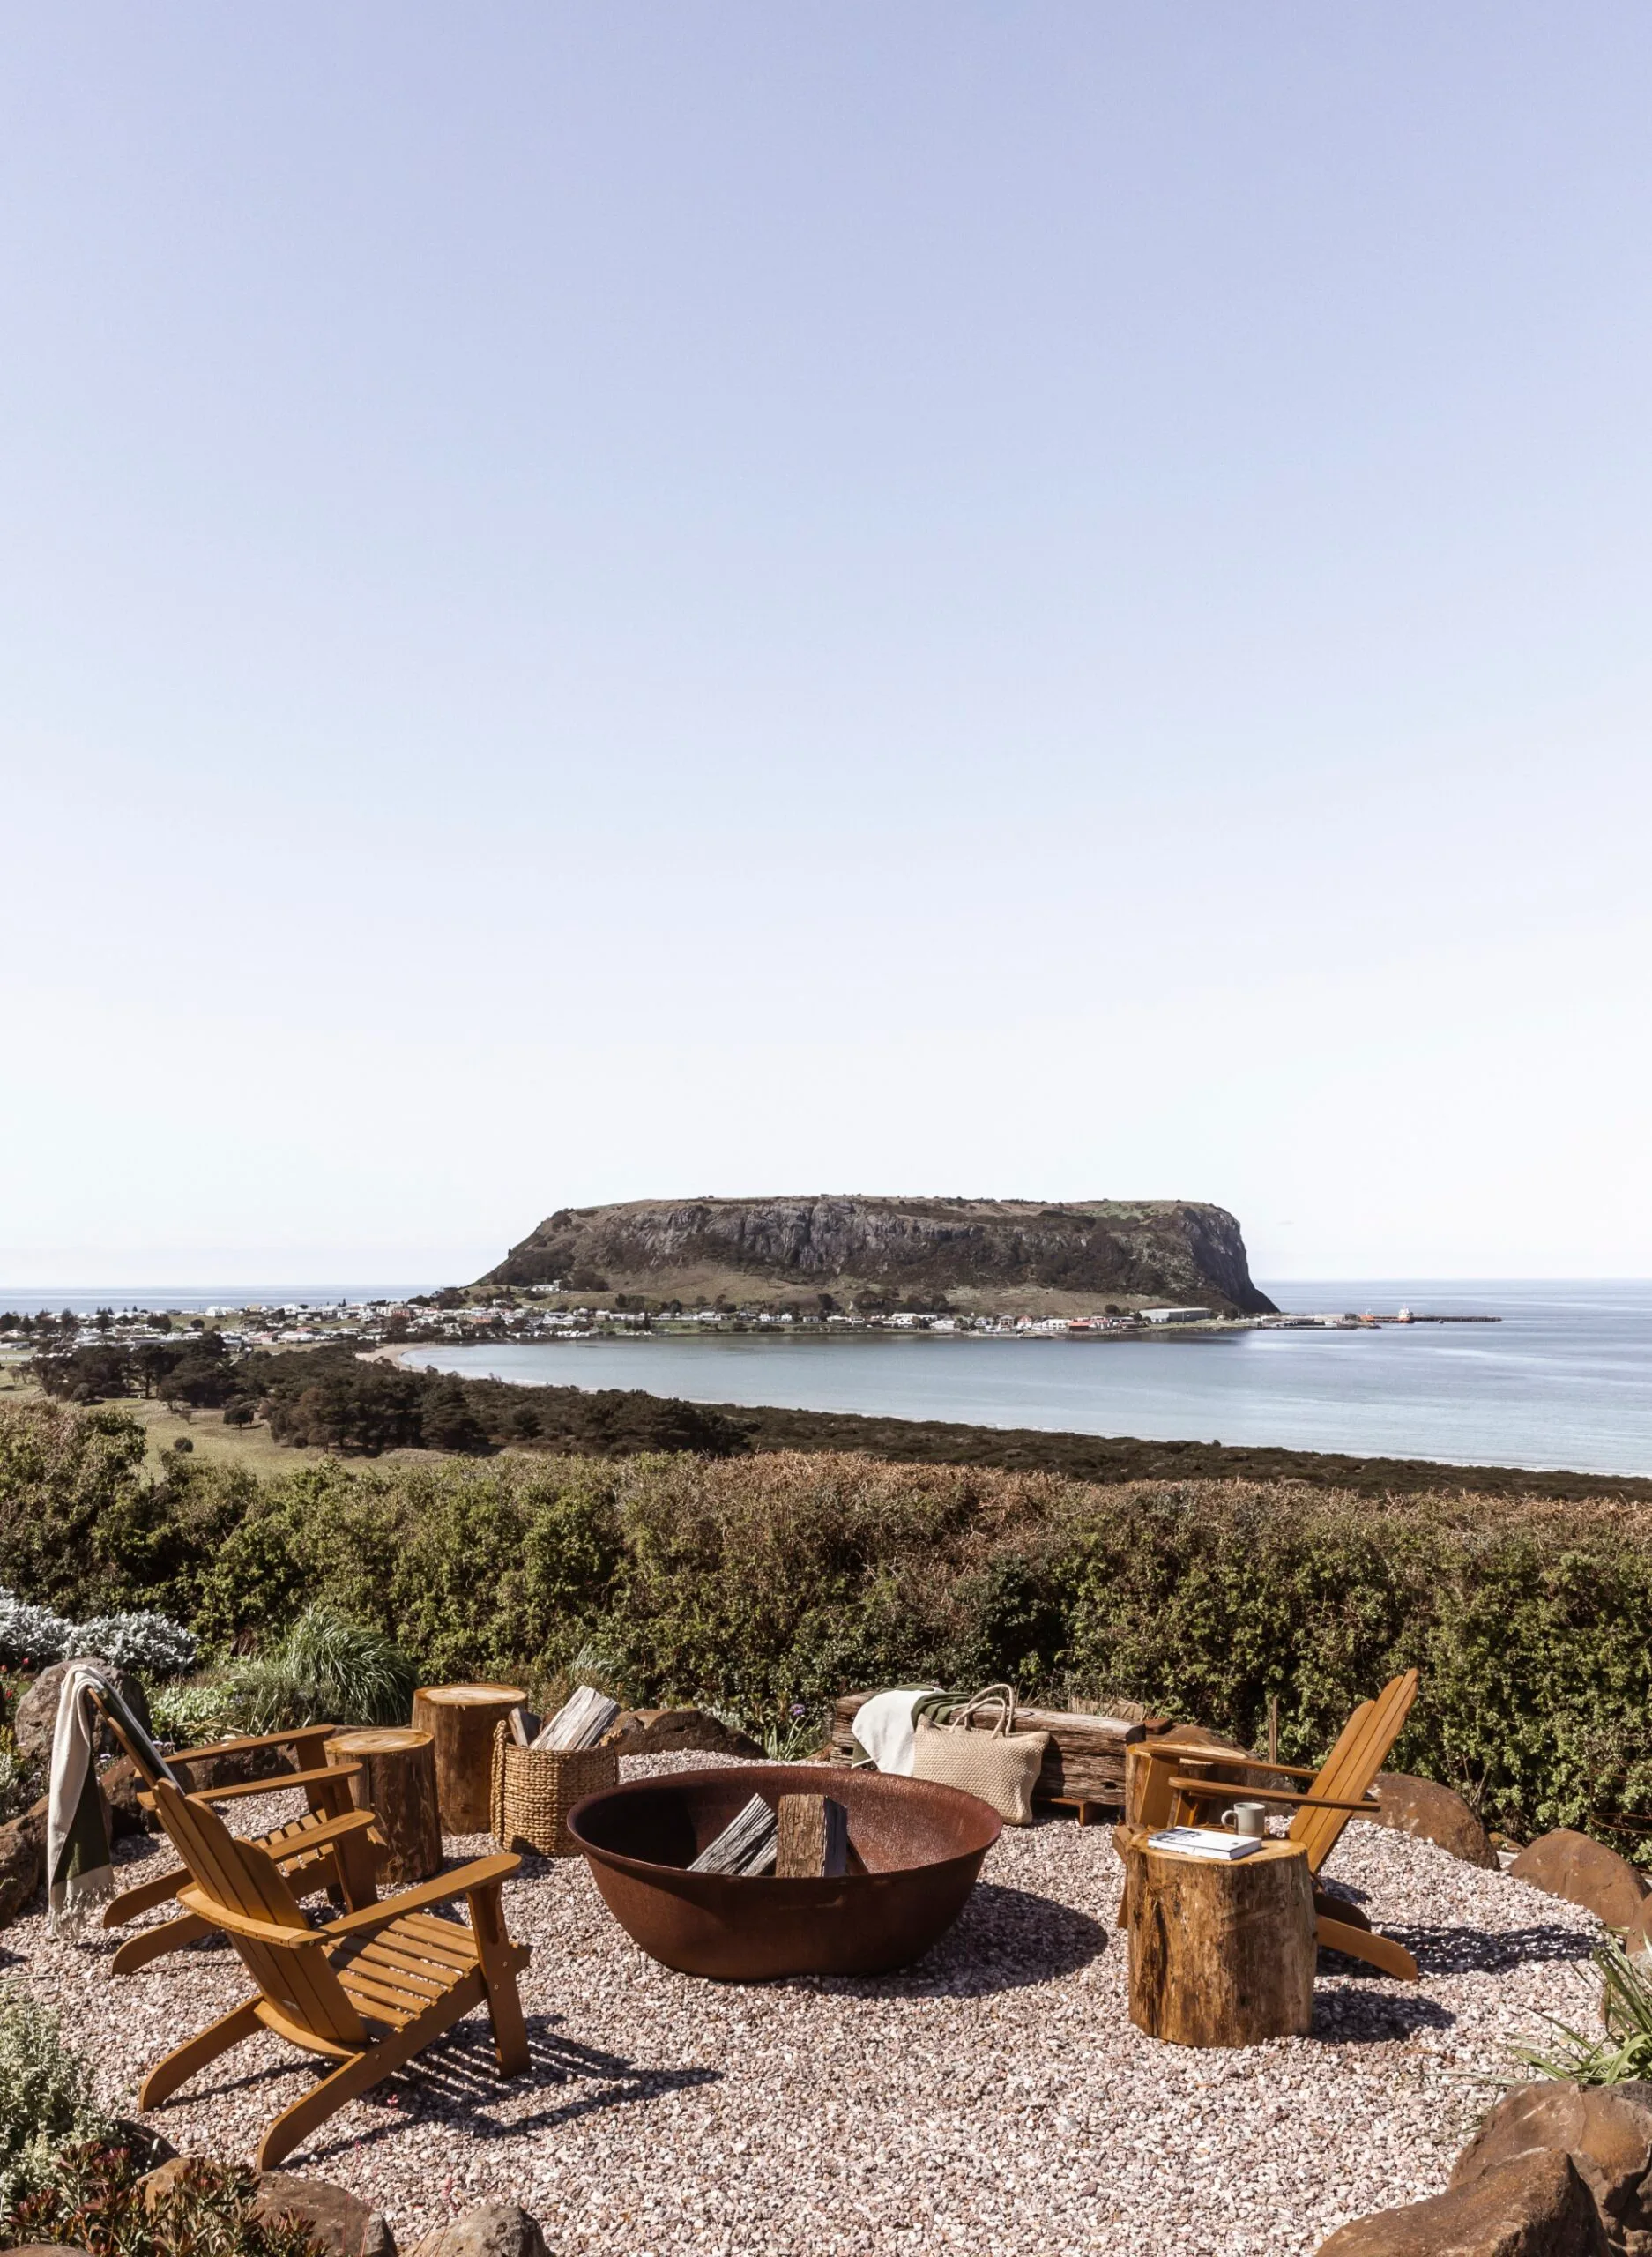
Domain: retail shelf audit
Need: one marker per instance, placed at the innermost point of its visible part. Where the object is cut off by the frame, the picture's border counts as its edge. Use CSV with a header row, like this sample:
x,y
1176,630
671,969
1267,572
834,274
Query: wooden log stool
x,y
460,1718
1221,1953
397,1784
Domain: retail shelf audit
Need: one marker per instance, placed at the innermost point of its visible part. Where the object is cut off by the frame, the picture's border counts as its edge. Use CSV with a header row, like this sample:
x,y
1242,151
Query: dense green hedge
x,y
763,1581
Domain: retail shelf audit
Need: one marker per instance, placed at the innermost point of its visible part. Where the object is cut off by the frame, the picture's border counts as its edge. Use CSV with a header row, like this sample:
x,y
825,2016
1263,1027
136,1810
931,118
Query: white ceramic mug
x,y
1249,1819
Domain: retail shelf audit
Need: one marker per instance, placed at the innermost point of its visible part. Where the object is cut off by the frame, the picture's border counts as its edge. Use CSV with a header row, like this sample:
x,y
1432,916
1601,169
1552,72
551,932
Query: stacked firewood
x,y
799,1837
1084,1761
580,1722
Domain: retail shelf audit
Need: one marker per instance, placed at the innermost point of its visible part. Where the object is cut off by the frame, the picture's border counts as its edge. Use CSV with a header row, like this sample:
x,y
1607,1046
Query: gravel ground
x,y
994,2099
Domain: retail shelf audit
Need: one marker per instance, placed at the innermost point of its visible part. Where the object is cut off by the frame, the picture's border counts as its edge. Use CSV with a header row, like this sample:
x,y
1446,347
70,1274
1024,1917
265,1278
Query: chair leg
x,y
1338,1909
1381,1952
155,1943
177,2068
359,2074
499,1960
144,1897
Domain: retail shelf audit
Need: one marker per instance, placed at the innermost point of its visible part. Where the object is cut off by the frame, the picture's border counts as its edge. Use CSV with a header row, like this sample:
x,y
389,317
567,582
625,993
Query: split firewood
x,y
812,1838
580,1721
745,1847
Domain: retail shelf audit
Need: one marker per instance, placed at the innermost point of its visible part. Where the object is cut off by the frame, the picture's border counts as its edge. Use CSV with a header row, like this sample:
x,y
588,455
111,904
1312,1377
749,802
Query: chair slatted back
x,y
1351,1769
297,1979
146,1761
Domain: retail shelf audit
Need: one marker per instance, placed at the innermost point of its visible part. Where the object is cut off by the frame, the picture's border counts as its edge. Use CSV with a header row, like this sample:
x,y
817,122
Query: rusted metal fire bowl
x,y
922,1845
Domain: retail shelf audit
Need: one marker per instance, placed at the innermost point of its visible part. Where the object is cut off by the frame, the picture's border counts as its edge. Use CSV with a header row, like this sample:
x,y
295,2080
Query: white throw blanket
x,y
78,1868
883,1726
79,1874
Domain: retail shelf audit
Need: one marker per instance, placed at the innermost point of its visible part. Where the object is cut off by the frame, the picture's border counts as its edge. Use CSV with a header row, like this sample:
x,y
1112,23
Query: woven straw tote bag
x,y
1001,1765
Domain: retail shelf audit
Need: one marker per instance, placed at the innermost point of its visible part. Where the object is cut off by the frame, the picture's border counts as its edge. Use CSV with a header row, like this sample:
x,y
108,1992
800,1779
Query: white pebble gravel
x,y
995,2099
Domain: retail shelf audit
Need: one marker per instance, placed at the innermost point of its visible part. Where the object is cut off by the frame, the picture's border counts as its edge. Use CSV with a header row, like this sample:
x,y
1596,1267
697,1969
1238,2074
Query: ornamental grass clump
x,y
327,1670
1624,2055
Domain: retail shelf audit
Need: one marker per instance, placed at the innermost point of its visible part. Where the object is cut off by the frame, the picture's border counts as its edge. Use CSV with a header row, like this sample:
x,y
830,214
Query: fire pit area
x,y
915,1851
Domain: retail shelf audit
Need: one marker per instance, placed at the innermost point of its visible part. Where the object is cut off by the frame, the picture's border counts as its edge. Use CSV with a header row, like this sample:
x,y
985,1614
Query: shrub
x,y
19,1780
30,1636
761,1582
143,1641
187,1714
95,2200
46,2098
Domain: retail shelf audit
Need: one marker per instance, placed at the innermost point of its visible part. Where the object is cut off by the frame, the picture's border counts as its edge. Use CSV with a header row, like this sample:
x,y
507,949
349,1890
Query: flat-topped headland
x,y
998,1257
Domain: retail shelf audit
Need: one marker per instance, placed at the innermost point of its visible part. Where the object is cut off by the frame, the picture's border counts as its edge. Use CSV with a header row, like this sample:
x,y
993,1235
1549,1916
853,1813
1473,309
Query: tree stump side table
x,y
460,1718
1221,1953
397,1782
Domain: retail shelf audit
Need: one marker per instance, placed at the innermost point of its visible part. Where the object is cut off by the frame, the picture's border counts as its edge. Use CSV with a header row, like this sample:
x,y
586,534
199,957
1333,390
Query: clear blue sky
x,y
600,601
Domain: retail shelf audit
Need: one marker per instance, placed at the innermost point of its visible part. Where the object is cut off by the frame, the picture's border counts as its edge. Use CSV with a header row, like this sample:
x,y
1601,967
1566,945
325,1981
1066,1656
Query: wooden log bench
x,y
1083,1764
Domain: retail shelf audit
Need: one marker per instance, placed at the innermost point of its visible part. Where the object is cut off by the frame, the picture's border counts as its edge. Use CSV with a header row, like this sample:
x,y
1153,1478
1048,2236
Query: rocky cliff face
x,y
973,1254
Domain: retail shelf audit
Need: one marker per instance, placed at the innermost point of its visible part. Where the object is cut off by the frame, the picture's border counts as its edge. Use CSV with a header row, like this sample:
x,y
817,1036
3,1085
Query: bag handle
x,y
1000,1696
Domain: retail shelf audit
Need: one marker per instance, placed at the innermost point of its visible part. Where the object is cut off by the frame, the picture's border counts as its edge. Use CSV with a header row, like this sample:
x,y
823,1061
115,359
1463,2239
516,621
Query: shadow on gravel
x,y
455,2081
1479,1951
1003,1940
1358,2016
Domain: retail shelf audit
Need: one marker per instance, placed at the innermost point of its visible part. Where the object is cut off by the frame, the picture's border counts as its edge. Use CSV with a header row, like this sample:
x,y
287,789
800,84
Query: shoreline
x,y
1075,1454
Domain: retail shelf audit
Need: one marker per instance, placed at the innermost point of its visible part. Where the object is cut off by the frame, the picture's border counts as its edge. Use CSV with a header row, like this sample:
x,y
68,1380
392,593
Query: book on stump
x,y
1212,1841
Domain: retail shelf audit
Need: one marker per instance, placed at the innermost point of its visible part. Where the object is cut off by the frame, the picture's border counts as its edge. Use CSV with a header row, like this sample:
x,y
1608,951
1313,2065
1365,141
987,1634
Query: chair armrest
x,y
315,1837
481,1873
1211,1789
278,1784
294,1739
237,1924
1222,1760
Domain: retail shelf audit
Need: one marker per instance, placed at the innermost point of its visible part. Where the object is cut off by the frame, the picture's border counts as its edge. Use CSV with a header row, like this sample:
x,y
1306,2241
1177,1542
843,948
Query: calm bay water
x,y
1564,1380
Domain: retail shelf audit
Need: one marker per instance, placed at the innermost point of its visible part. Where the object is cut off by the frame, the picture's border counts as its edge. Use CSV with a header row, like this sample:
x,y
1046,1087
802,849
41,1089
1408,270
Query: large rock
x,y
120,1782
239,1766
1431,1813
494,2230
22,1861
37,1710
1584,1872
1537,2207
664,1731
343,2223
1606,2129
148,2149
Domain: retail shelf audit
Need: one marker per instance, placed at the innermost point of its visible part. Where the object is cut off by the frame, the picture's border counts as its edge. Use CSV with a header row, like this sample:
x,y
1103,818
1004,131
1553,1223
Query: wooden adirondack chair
x,y
1167,1793
332,1844
366,1990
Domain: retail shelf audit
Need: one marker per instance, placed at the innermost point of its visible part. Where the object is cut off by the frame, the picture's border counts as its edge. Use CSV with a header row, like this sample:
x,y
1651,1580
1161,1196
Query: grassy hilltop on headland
x,y
1000,1257
766,1580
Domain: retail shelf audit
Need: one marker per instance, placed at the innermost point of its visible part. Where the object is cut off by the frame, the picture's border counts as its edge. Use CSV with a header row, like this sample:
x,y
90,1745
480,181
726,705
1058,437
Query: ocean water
x,y
1564,1380
86,1300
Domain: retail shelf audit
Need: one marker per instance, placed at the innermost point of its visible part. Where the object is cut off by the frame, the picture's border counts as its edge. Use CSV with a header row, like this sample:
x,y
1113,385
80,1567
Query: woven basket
x,y
534,1789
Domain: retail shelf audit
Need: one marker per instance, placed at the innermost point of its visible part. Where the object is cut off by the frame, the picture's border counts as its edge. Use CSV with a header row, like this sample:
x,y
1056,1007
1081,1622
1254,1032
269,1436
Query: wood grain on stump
x,y
397,1782
1221,1953
460,1718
